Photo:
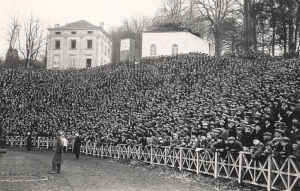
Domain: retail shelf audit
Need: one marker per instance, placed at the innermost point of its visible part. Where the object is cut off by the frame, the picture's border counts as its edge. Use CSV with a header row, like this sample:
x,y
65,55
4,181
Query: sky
x,y
111,12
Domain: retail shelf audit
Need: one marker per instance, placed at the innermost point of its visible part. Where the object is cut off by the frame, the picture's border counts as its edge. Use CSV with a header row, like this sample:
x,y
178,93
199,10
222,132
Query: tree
x,y
135,27
31,41
184,12
215,12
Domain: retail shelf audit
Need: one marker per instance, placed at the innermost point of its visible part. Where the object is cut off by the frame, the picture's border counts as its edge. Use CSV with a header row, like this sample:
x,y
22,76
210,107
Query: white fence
x,y
273,173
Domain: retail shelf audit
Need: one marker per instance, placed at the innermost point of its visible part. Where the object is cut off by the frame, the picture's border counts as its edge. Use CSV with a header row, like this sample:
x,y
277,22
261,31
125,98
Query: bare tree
x,y
172,10
215,11
13,29
135,27
31,41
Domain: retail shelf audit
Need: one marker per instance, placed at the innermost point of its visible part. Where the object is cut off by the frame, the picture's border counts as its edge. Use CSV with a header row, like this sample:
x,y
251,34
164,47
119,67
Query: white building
x,y
169,41
78,45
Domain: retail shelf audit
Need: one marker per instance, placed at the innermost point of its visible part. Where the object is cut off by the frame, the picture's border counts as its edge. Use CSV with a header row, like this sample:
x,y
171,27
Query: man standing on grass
x,y
77,145
57,157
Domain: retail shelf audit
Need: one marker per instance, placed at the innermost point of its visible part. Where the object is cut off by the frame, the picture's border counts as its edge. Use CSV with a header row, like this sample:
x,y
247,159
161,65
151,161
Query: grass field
x,y
28,170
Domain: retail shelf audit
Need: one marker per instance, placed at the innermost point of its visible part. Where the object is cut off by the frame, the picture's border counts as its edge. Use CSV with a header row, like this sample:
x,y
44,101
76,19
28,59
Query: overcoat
x,y
77,144
58,151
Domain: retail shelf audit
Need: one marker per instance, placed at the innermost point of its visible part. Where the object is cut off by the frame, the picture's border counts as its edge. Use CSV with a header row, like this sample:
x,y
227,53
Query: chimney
x,y
56,25
101,24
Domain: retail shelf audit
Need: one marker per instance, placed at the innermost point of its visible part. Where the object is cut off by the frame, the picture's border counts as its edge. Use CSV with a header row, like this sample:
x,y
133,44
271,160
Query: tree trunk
x,y
285,38
246,26
217,41
254,34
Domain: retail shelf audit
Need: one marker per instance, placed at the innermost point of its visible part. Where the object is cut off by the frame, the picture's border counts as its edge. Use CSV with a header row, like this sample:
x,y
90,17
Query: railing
x,y
273,173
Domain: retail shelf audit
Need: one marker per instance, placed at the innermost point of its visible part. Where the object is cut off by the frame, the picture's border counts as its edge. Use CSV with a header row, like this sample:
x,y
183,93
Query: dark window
x,y
73,44
73,32
89,44
57,32
88,63
57,44
90,32
153,50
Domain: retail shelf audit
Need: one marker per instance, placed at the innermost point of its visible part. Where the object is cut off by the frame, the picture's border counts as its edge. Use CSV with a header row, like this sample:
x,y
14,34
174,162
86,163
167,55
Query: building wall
x,y
98,54
164,41
127,49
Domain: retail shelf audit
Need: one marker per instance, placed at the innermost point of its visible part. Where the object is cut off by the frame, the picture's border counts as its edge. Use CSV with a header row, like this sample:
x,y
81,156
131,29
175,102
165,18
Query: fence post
x,y
110,153
86,148
197,163
38,143
166,156
180,158
21,141
151,155
118,146
12,142
240,168
216,165
47,142
269,181
94,149
73,142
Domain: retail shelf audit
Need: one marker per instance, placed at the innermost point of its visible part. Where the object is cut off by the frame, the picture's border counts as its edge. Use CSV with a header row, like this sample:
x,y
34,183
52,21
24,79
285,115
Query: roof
x,y
82,24
162,29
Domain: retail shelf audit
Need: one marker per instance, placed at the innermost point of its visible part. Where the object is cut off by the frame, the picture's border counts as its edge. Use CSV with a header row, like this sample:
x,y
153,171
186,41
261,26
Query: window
x,y
174,49
73,32
105,50
56,62
153,50
57,33
73,61
108,52
89,44
102,46
90,32
73,44
57,44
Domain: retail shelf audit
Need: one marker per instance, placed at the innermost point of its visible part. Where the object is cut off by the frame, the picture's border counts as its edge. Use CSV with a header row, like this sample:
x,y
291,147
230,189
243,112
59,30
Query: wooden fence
x,y
273,173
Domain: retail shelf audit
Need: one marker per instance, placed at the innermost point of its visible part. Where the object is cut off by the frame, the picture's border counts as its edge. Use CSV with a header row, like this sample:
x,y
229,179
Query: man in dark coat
x,y
77,144
57,156
29,141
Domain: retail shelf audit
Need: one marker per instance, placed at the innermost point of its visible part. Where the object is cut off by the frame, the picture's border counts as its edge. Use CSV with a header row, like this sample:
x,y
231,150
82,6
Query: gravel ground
x,y
28,170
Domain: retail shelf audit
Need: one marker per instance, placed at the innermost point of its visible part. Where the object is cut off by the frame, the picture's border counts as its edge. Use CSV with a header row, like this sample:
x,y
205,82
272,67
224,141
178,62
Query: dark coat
x,y
77,144
247,139
29,141
58,151
235,147
257,150
218,145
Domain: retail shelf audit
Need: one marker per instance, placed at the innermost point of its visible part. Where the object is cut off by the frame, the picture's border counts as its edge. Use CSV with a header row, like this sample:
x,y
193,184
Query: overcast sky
x,y
111,12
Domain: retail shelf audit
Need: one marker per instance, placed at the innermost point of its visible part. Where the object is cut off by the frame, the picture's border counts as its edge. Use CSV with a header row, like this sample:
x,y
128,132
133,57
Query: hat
x,y
220,137
296,124
275,139
285,139
76,134
279,131
231,138
267,134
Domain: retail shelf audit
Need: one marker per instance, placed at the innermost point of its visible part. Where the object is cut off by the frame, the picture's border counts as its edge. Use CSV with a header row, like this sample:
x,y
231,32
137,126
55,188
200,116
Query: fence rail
x,y
273,173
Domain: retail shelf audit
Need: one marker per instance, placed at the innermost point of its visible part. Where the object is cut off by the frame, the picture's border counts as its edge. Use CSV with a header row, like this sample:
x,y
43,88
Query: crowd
x,y
185,100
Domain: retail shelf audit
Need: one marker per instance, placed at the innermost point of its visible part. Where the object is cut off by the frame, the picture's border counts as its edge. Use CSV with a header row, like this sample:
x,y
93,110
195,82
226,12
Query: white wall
x,y
164,41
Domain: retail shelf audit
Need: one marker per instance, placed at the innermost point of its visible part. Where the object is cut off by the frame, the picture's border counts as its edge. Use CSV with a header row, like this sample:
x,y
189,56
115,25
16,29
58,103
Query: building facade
x,y
127,49
171,41
78,45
